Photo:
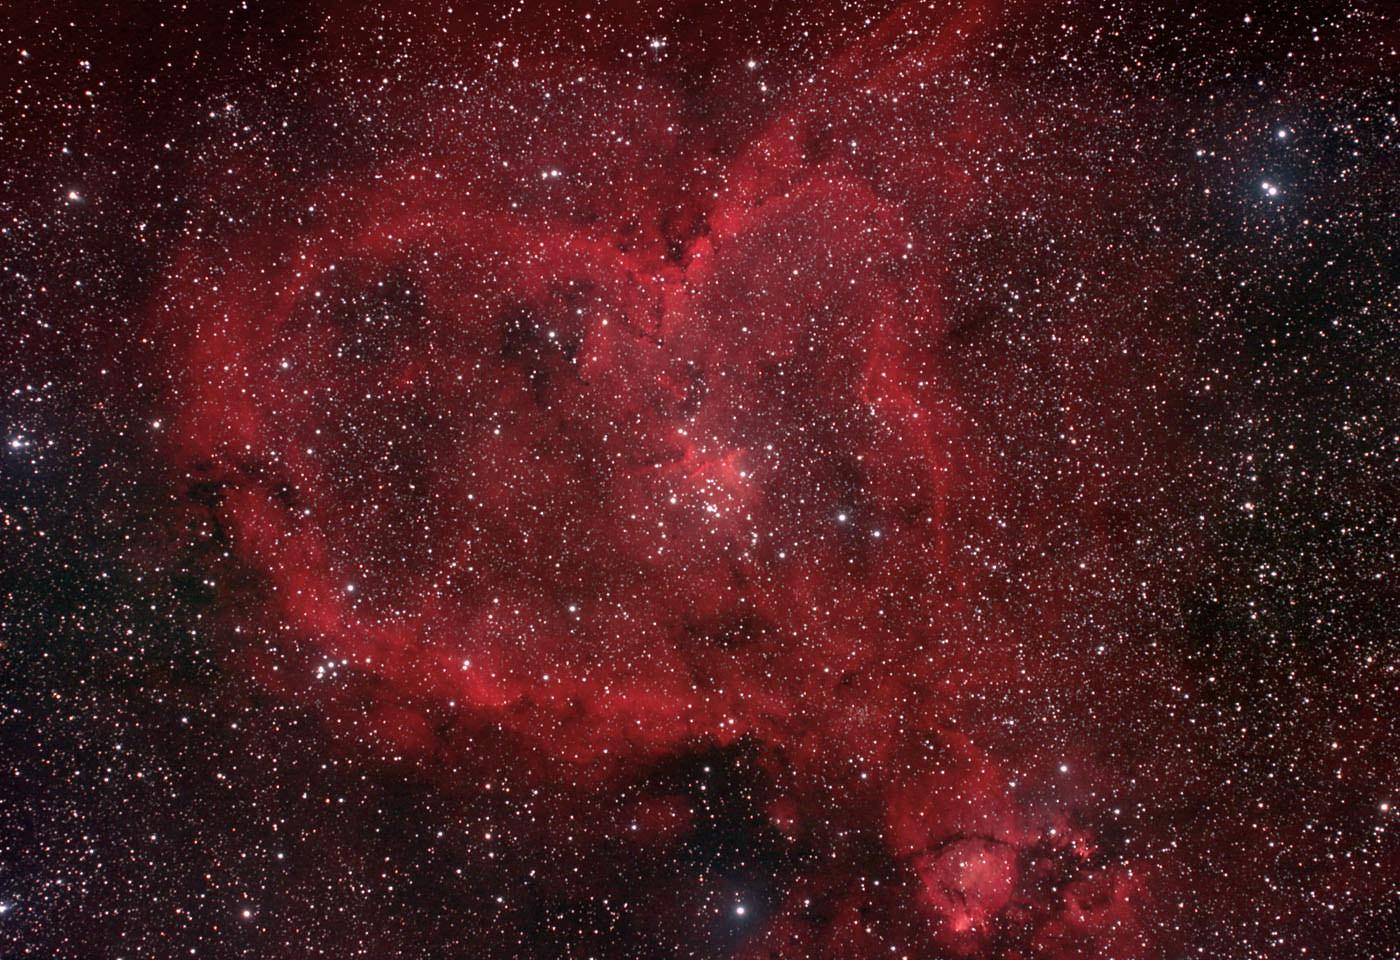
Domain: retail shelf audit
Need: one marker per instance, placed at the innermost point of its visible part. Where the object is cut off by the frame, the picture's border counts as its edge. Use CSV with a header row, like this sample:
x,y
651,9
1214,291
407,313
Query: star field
x,y
699,480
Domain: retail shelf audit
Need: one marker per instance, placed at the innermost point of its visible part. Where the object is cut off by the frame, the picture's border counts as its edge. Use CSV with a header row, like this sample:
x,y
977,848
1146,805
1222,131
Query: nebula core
x,y
876,480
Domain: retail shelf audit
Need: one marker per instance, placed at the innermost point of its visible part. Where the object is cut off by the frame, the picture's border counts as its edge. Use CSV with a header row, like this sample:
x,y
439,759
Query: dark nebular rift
x,y
523,341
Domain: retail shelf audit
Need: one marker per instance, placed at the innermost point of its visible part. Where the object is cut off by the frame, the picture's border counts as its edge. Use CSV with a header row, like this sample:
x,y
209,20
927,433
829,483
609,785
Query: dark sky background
x,y
699,480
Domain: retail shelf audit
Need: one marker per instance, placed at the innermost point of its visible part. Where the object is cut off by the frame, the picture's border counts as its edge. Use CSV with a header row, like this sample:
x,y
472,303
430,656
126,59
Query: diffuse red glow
x,y
664,442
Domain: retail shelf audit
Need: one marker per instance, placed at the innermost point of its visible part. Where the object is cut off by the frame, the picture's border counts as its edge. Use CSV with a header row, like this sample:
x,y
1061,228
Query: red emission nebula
x,y
837,417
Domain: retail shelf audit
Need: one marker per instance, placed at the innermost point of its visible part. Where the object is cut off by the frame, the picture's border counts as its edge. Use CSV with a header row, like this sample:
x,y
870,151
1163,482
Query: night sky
x,y
699,480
